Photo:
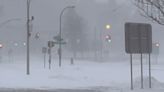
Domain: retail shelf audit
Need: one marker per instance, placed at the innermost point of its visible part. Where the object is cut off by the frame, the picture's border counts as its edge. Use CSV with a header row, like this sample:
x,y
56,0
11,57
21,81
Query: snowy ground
x,y
83,76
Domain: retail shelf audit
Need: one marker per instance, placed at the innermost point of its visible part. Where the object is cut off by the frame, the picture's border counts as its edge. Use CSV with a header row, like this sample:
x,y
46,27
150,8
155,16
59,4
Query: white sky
x,y
102,1
118,1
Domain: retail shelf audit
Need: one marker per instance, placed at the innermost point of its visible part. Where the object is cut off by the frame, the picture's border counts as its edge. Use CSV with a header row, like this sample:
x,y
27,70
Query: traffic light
x,y
108,38
51,44
1,45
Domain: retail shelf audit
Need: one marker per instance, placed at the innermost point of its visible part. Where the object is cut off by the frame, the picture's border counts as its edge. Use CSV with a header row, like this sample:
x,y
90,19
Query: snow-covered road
x,y
84,76
60,90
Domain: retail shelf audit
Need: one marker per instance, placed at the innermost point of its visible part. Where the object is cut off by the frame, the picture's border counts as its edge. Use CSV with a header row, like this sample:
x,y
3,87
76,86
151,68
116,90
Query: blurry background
x,y
84,28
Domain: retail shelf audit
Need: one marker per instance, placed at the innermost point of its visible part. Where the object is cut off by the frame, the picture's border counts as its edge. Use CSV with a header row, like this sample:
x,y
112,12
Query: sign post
x,y
138,40
50,45
131,70
155,51
61,42
44,51
149,70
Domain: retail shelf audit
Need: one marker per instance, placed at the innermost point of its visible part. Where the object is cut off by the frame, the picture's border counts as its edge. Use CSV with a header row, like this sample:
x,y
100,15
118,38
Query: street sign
x,y
50,44
57,38
138,38
59,42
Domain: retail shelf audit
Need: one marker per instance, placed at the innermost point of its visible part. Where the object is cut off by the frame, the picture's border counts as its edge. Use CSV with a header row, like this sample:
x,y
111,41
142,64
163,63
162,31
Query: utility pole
x,y
28,36
60,33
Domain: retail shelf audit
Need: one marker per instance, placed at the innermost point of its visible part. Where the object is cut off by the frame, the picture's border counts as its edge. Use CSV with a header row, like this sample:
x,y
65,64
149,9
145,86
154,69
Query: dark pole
x,y
95,43
44,60
28,37
131,68
60,33
50,58
140,45
149,71
141,72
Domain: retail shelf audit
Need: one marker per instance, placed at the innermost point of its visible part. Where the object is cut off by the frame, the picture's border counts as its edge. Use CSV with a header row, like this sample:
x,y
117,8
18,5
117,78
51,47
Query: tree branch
x,y
144,7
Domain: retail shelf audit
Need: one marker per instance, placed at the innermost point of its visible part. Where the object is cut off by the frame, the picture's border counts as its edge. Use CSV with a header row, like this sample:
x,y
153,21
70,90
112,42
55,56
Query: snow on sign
x,y
138,38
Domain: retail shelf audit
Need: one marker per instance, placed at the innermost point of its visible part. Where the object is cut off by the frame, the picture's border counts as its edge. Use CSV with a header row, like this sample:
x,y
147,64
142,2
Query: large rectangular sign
x,y
138,38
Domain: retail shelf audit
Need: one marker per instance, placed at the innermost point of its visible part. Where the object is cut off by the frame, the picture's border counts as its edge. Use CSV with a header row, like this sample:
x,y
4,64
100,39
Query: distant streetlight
x,y
108,26
60,32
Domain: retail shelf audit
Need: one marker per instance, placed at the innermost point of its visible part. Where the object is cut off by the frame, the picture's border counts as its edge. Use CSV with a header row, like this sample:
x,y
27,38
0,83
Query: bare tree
x,y
152,9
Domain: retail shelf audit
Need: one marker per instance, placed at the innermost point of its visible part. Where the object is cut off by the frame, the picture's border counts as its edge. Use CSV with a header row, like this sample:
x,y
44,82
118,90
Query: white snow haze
x,y
90,62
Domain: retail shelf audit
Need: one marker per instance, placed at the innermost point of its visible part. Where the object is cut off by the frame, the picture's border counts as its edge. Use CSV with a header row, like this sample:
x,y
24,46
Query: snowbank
x,y
154,81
